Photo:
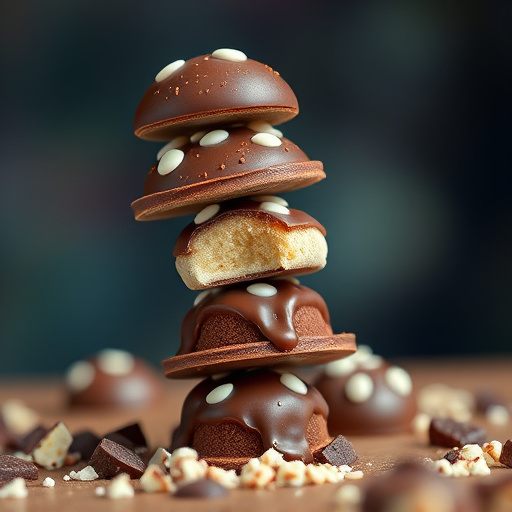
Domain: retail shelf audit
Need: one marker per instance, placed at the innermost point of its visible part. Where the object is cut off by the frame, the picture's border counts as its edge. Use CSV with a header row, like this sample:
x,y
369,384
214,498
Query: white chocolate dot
x,y
497,415
372,362
115,362
207,213
219,394
340,368
229,54
197,136
264,127
169,70
399,381
266,139
174,144
200,297
170,161
274,208
270,199
359,388
293,383
213,137
262,289
80,375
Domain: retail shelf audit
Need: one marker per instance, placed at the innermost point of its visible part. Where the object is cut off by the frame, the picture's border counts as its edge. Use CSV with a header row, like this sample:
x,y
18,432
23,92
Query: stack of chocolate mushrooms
x,y
224,164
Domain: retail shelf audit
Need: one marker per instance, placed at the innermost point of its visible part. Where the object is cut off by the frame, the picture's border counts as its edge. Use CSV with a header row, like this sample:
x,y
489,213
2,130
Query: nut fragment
x,y
228,479
120,488
256,475
53,448
14,489
155,479
292,474
185,466
492,452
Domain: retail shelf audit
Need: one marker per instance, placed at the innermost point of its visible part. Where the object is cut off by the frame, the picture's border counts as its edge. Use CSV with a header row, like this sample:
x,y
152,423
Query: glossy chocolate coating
x,y
233,168
261,403
273,316
384,412
247,208
206,91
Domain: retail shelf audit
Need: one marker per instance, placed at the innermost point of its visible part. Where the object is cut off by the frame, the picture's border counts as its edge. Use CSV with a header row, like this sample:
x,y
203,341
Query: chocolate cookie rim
x,y
309,351
161,131
189,199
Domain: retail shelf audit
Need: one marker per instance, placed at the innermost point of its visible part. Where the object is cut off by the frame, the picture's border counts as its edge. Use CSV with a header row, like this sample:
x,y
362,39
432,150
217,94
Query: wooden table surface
x,y
376,454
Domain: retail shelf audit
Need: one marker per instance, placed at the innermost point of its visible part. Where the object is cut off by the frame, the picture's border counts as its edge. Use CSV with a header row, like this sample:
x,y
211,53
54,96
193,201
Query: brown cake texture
x,y
224,87
248,239
265,323
367,395
228,422
221,164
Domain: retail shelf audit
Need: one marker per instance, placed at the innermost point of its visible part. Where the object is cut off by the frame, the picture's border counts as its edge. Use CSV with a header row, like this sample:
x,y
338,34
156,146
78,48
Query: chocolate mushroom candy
x,y
248,239
113,378
229,419
218,89
221,164
367,395
263,323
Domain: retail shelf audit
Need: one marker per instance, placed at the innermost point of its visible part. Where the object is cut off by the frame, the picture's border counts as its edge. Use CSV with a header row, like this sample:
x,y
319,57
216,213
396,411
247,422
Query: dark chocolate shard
x,y
85,443
132,433
450,433
13,467
32,439
506,454
452,456
110,458
338,453
203,488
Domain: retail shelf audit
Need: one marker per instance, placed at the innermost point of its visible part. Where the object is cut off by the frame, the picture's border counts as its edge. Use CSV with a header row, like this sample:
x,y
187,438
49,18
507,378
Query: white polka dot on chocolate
x,y
207,213
197,136
170,161
340,368
372,362
263,126
80,375
359,388
219,394
270,199
262,289
169,70
293,383
274,208
174,144
399,381
213,138
229,54
266,139
115,362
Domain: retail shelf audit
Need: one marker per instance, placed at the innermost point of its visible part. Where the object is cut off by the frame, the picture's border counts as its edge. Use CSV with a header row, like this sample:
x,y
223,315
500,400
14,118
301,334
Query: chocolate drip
x,y
273,316
262,403
247,208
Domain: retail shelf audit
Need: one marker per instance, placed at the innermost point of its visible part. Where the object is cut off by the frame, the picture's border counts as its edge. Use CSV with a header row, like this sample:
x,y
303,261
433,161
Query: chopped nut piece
x,y
51,451
256,475
155,479
291,474
120,488
14,489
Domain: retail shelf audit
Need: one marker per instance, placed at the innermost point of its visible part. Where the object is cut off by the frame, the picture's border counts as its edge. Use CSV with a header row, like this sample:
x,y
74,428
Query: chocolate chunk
x,y
452,456
12,467
85,443
339,452
450,433
130,436
203,488
32,439
506,454
110,458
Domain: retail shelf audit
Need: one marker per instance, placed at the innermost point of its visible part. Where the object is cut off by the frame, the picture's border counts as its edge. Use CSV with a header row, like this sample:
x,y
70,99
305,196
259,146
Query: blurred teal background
x,y
406,103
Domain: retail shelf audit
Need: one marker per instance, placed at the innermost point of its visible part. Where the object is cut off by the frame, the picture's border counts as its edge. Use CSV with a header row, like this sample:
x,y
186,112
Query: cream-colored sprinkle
x,y
293,383
229,54
80,375
198,136
219,394
266,139
261,126
115,362
170,161
168,70
176,143
207,213
398,380
359,388
48,482
274,208
262,289
214,137
270,199
340,368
